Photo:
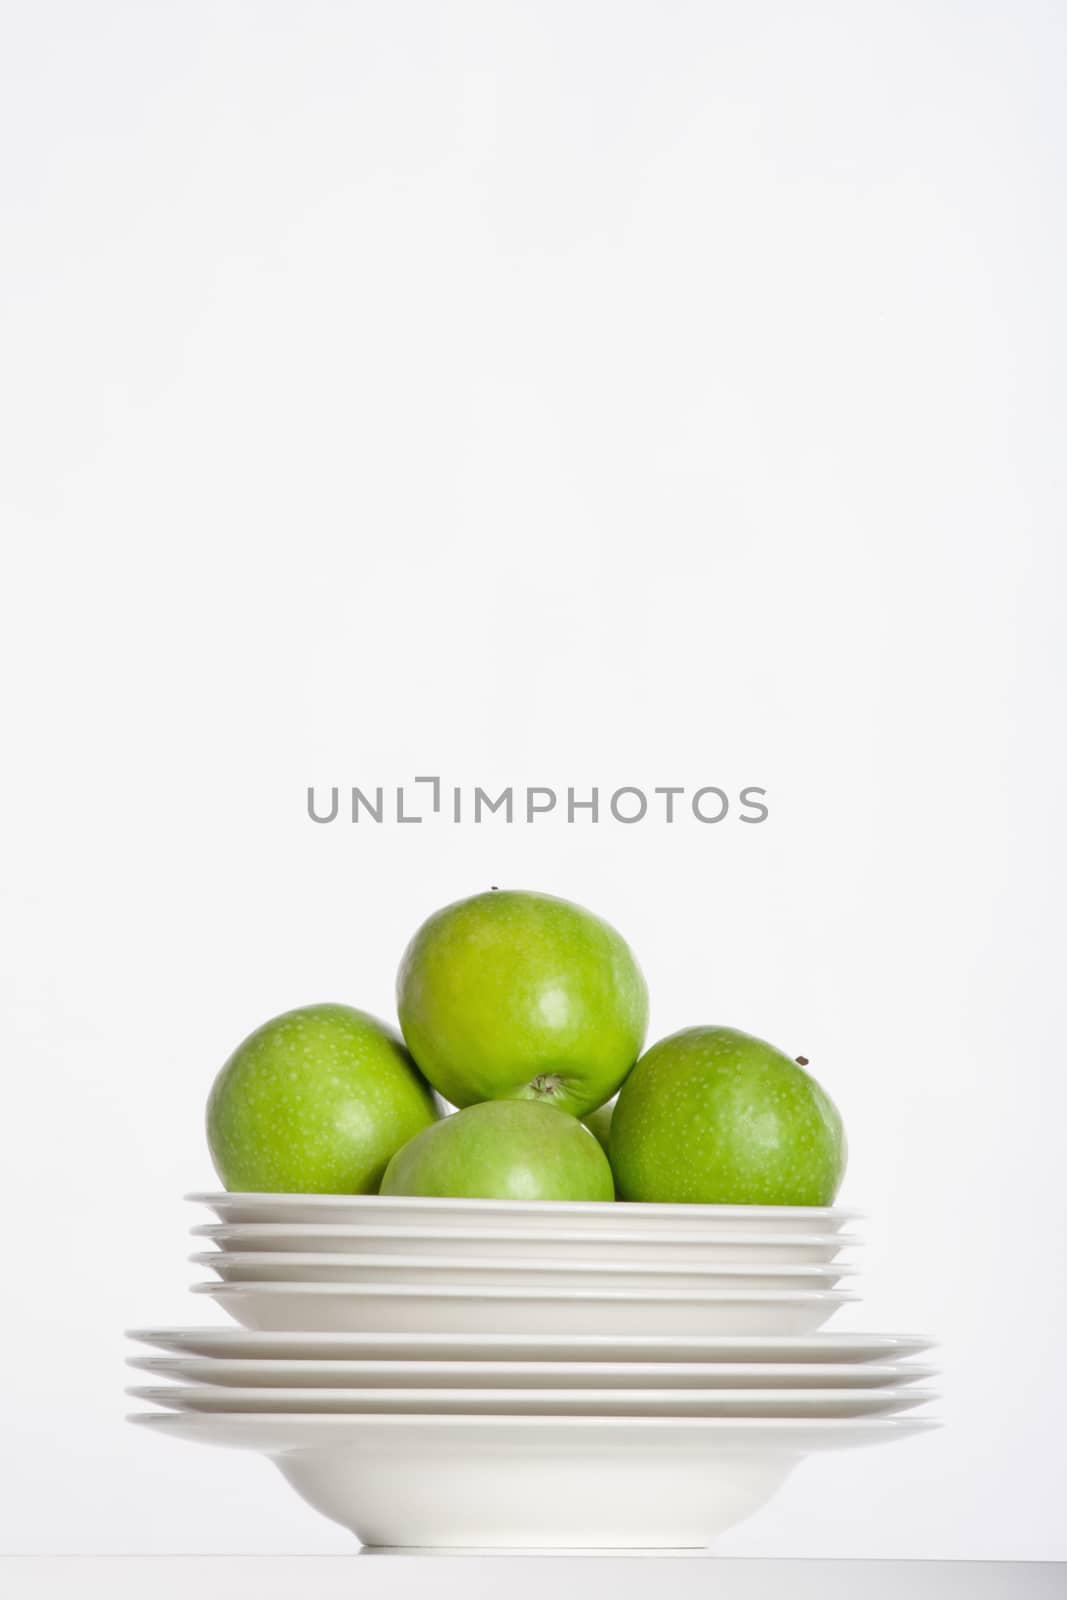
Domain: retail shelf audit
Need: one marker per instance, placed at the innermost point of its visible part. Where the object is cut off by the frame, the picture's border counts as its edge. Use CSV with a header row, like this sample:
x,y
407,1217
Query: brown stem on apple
x,y
801,1061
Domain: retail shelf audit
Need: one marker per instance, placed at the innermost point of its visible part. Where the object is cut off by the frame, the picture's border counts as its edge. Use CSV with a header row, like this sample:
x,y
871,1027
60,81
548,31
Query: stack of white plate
x,y
476,1373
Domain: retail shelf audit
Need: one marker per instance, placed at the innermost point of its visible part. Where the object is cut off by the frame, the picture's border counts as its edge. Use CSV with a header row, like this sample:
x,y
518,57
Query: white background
x,y
552,393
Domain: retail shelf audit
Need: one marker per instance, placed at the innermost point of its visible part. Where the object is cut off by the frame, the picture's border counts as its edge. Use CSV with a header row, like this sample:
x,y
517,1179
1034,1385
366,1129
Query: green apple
x,y
715,1116
517,996
599,1124
503,1150
316,1101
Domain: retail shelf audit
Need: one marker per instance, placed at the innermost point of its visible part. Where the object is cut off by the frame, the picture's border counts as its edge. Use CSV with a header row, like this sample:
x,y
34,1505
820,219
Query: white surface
x,y
535,1374
398,1576
573,393
509,1244
547,1401
544,1216
482,1346
607,1313
290,1266
594,1482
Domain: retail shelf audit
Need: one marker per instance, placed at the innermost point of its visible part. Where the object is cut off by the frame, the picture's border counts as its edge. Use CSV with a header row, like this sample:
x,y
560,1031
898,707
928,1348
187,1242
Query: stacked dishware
x,y
484,1373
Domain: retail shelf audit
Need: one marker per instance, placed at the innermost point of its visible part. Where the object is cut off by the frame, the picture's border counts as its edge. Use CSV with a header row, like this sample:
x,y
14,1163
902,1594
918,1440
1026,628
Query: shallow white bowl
x,y
477,1345
537,1402
391,1211
292,1266
409,1308
531,1245
533,1482
357,1374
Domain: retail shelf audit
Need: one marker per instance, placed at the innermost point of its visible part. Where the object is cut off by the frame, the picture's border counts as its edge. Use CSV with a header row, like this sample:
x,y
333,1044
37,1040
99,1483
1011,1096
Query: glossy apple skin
x,y
503,1150
519,996
714,1116
316,1101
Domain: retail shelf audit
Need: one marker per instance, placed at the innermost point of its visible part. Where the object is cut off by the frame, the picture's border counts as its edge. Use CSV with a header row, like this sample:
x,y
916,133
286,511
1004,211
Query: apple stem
x,y
801,1061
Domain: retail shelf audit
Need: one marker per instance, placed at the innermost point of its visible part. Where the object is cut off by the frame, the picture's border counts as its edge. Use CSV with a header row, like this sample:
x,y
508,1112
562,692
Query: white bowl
x,y
245,1344
530,1482
358,1374
533,1245
410,1308
537,1402
292,1266
391,1211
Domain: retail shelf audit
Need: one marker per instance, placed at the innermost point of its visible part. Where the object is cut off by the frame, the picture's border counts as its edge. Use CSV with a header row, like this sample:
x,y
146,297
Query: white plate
x,y
533,1374
408,1308
545,1215
629,1249
539,1402
292,1266
529,1482
249,1345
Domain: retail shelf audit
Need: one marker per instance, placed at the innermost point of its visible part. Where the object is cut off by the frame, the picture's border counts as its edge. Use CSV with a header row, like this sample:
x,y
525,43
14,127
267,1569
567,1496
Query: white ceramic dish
x,y
293,1266
531,1245
539,1402
245,1344
409,1308
545,1215
530,1482
533,1374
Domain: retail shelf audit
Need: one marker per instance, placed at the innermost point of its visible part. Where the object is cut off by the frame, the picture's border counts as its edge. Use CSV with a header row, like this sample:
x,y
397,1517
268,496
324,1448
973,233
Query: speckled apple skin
x,y
316,1101
519,996
504,1150
714,1116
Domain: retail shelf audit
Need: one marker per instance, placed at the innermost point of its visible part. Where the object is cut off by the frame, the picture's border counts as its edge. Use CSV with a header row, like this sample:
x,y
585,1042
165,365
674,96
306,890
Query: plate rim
x,y
831,1339
215,1230
163,1393
532,1421
515,1207
165,1366
800,1272
417,1291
